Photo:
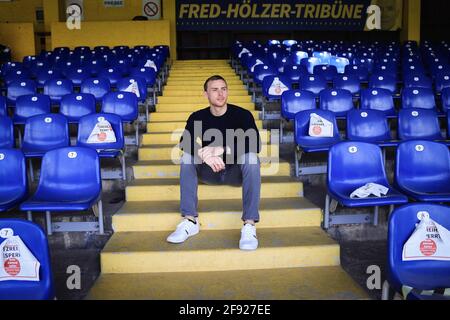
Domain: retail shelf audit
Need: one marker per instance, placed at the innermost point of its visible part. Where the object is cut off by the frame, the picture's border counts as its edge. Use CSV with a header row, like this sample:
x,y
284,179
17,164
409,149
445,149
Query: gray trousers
x,y
245,173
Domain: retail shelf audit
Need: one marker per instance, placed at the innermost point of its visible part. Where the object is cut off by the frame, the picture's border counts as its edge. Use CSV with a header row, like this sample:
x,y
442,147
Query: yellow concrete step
x,y
199,93
166,169
169,189
158,152
169,126
181,116
231,88
200,76
218,250
172,138
202,100
314,283
215,215
199,61
212,70
199,82
191,107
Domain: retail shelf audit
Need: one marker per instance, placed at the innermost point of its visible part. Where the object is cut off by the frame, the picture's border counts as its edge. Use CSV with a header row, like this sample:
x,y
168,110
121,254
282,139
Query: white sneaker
x,y
248,241
184,230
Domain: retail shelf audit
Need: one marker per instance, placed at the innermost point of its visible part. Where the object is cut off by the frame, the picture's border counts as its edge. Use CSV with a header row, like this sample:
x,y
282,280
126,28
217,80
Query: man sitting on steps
x,y
220,145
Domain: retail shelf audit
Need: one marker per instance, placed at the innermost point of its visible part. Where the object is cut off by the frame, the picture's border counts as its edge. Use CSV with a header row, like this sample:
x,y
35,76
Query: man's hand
x,y
216,163
207,152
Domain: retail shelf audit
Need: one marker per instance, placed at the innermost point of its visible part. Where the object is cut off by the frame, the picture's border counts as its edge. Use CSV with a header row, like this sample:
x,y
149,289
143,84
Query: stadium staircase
x,y
296,259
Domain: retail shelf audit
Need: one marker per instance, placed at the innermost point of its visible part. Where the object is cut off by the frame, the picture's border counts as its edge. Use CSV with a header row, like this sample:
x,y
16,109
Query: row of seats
x,y
70,180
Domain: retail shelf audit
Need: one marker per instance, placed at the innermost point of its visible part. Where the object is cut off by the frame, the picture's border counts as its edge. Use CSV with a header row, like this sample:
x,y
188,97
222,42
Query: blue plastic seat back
x,y
87,125
418,98
57,88
310,63
98,87
123,84
367,125
442,82
445,99
76,105
338,101
297,56
347,82
45,132
383,81
420,274
30,105
328,72
277,90
15,75
13,178
302,122
294,72
413,80
124,104
378,99
3,106
78,74
352,164
360,71
262,71
312,83
6,132
340,63
146,73
422,166
36,241
112,74
418,124
293,101
47,74
71,173
17,89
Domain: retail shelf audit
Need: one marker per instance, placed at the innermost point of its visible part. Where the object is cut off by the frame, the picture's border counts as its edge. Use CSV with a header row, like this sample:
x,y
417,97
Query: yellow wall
x,y
21,11
411,20
130,33
19,37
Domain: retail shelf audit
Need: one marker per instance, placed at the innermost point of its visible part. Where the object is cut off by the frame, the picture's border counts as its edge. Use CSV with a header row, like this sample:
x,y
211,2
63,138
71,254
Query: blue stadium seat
x,y
124,83
307,143
30,105
293,101
6,132
35,240
276,95
369,126
442,81
422,274
378,99
324,56
360,71
340,63
13,178
383,81
125,105
338,101
98,87
418,123
418,98
416,80
76,105
351,165
17,89
112,74
78,74
312,83
3,107
58,88
295,72
445,100
328,72
47,74
422,170
348,82
296,57
70,181
15,75
310,63
104,150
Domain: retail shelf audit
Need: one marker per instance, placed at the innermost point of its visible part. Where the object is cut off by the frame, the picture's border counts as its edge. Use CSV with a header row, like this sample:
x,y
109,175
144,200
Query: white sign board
x,y
113,3
151,9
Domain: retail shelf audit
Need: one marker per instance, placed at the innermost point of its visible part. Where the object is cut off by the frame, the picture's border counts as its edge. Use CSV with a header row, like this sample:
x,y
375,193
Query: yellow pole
x,y
411,20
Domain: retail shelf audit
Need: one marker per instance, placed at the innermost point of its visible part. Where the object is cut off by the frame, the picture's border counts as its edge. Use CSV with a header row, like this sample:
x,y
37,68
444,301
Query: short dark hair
x,y
213,78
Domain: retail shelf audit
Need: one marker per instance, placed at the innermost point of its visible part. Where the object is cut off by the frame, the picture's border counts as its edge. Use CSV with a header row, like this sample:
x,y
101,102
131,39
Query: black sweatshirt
x,y
238,141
